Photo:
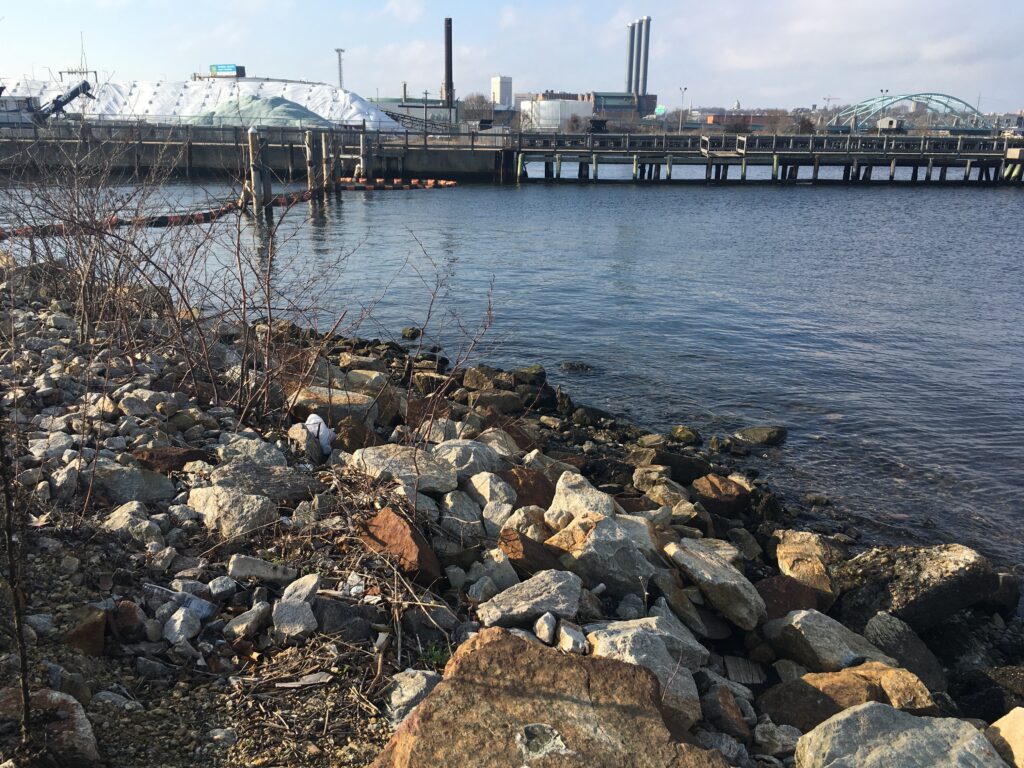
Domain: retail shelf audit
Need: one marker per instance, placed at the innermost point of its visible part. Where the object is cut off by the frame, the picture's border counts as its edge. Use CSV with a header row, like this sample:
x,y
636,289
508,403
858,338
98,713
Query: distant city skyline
x,y
791,53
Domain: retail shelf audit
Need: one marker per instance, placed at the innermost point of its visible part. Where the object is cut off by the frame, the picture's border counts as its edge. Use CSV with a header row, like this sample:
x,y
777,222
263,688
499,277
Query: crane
x,y
829,99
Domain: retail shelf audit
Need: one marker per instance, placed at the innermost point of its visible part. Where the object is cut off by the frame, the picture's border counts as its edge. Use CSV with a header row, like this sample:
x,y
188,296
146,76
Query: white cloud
x,y
509,17
405,11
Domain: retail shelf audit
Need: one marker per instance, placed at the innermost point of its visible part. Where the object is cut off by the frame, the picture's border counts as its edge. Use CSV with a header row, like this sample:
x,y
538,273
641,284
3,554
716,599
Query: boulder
x,y
768,435
602,549
132,522
821,643
467,458
897,639
408,465
1007,735
333,405
806,556
486,488
500,402
303,589
725,588
553,469
784,594
645,648
507,701
721,496
122,484
526,555
462,520
720,708
775,740
233,513
252,450
922,586
282,485
677,639
684,468
532,487
814,698
389,533
556,592
61,722
183,625
875,735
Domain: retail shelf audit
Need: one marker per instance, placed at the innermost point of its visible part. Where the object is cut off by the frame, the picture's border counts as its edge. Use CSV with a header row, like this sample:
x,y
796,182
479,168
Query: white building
x,y
553,114
501,91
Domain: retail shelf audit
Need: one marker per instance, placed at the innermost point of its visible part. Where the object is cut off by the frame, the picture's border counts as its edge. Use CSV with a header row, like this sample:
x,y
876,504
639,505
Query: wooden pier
x,y
315,154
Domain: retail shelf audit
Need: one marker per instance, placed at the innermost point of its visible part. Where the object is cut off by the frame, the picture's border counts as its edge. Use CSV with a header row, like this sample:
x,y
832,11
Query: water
x,y
881,325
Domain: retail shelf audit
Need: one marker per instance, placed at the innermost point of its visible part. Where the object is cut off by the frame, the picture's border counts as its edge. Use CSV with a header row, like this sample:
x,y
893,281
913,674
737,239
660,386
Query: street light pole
x,y
341,70
682,106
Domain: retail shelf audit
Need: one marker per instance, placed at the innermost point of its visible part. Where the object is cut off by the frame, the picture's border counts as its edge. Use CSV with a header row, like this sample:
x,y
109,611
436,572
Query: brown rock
x,y
429,382
683,468
390,533
353,435
129,619
526,555
169,458
720,495
505,701
814,698
89,632
806,556
532,486
721,710
502,402
782,594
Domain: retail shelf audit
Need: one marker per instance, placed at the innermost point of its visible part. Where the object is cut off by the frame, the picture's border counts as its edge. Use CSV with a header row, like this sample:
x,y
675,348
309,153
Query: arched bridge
x,y
862,116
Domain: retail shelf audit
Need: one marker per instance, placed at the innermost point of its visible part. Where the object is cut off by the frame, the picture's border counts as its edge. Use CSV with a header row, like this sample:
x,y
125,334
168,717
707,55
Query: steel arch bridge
x,y
862,116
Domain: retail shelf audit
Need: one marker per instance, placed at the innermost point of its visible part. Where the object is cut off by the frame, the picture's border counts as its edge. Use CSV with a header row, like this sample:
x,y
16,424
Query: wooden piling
x,y
594,162
775,167
307,145
255,171
326,161
892,170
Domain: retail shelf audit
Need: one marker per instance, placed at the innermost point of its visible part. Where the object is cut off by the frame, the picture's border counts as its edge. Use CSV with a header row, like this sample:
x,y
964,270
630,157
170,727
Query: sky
x,y
784,53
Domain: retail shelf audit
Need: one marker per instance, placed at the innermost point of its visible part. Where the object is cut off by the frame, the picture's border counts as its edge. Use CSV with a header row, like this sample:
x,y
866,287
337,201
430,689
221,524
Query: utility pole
x,y
341,69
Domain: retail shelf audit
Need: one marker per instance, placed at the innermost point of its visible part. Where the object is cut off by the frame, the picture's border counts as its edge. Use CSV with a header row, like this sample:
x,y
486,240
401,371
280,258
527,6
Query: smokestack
x,y
644,53
637,39
629,58
449,86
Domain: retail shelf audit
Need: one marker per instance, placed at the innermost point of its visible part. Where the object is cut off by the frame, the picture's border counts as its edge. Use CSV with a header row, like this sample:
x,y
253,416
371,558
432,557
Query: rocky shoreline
x,y
476,570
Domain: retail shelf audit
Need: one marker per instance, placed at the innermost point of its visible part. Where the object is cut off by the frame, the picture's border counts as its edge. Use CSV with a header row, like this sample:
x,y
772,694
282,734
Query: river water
x,y
882,325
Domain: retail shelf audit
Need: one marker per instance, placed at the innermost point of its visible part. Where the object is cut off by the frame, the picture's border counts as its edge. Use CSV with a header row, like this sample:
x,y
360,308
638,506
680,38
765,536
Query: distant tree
x,y
475,106
806,125
778,121
575,124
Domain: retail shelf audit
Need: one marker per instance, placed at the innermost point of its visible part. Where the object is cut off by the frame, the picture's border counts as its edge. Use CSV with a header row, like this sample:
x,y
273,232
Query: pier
x,y
325,156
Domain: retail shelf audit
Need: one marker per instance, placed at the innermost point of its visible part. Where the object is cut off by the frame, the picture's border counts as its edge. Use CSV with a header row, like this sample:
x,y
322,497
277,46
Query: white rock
x,y
182,626
303,589
545,627
409,689
243,567
232,512
250,623
408,465
821,643
556,592
725,588
486,488
468,457
293,621
571,639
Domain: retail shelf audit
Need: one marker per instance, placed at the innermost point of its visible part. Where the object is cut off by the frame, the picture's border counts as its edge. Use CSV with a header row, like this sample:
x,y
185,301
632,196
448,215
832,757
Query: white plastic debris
x,y
318,428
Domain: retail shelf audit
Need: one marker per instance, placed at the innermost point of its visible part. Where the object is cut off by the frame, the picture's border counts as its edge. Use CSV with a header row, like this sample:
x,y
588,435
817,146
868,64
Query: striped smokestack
x,y
449,86
634,86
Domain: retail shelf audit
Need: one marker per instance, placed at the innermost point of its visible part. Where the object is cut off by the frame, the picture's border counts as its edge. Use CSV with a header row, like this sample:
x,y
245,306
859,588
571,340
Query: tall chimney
x,y
644,53
637,40
449,86
629,59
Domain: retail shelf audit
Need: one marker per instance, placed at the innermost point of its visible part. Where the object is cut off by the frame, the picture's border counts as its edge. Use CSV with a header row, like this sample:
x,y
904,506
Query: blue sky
x,y
781,53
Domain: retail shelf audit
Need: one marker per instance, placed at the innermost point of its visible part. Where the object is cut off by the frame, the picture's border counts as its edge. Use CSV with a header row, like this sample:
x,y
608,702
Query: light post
x,y
341,70
682,106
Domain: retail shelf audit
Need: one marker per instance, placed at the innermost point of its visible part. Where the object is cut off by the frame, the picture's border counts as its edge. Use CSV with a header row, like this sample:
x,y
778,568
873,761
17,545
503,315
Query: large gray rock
x,y
922,586
647,649
486,488
574,497
462,519
131,521
467,457
876,735
409,688
678,640
231,512
728,590
181,626
556,592
293,621
122,484
604,550
896,638
407,465
821,643
251,450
